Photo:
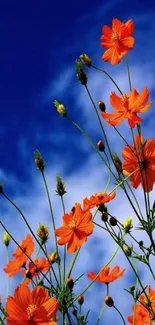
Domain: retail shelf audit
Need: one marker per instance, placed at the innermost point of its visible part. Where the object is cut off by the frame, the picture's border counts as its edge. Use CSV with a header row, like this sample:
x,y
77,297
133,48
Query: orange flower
x,y
27,308
117,40
13,267
127,107
34,270
143,164
27,246
97,199
77,226
140,316
106,276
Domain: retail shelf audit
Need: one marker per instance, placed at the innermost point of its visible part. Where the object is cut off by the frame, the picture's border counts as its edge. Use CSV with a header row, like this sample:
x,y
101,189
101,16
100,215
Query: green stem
x,y
91,143
120,314
128,69
64,271
108,75
100,314
72,263
8,280
53,221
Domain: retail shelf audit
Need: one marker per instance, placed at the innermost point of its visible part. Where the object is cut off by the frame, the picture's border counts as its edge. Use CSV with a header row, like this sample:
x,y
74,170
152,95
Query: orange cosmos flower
x,y
117,40
143,164
77,226
106,276
14,266
28,308
97,199
141,316
127,107
34,270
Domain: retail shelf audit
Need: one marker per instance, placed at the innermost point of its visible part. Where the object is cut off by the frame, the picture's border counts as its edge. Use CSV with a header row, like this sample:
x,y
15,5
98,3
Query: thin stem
x,y
128,69
120,314
49,268
72,263
64,271
91,143
8,280
98,116
108,75
52,215
100,314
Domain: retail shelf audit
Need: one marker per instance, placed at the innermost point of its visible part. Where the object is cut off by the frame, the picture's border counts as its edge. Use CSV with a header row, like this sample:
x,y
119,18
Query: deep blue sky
x,y
39,39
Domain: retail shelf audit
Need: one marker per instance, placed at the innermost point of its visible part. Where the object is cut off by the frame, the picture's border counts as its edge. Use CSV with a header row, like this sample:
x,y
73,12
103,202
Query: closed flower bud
x,y
102,106
109,301
132,288
127,225
81,74
101,145
104,216
39,160
28,274
6,239
43,233
40,283
60,186
141,243
113,221
60,109
1,188
128,250
118,163
85,59
80,300
54,258
70,283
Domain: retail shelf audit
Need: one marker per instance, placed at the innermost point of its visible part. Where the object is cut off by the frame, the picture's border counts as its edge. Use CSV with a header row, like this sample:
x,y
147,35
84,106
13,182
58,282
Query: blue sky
x,y
39,45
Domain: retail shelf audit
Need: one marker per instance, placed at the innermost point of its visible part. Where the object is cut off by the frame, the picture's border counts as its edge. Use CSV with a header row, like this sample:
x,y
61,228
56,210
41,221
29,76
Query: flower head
x,y
77,226
27,308
117,40
141,159
106,276
34,270
97,199
127,107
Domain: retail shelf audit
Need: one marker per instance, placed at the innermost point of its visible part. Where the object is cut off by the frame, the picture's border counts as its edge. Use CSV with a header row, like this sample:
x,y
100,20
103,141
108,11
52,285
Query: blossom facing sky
x,y
107,276
77,226
27,308
141,159
97,199
127,107
117,40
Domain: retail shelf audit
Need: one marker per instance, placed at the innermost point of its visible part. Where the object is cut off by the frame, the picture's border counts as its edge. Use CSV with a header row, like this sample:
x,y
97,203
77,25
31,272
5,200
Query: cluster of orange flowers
x,y
37,306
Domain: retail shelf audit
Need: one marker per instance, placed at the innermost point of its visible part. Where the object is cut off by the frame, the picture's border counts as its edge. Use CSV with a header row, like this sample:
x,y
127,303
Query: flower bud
x,y
70,283
81,74
60,109
6,239
80,300
28,274
101,145
39,161
127,225
117,162
101,106
113,221
104,216
141,243
43,233
60,186
54,258
40,283
128,250
132,288
86,60
109,301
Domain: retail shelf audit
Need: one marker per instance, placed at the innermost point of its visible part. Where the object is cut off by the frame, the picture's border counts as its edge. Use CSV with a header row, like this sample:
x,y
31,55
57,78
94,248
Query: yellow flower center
x,y
31,309
115,36
72,224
